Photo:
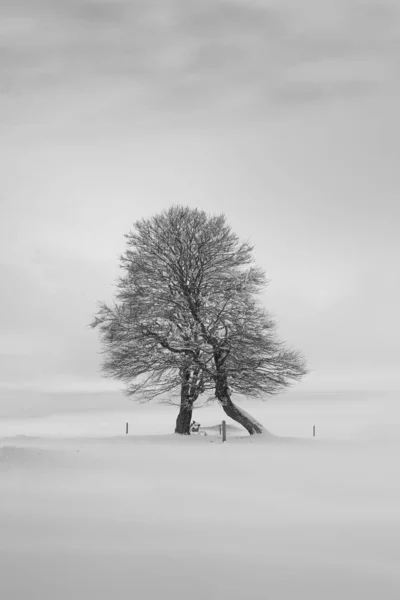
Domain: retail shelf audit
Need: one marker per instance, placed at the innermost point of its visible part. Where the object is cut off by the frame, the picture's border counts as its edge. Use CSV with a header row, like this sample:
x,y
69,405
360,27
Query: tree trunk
x,y
184,418
191,389
233,411
240,416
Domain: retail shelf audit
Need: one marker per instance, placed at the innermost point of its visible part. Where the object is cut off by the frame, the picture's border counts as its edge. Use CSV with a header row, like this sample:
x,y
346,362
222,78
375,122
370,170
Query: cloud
x,y
69,197
174,56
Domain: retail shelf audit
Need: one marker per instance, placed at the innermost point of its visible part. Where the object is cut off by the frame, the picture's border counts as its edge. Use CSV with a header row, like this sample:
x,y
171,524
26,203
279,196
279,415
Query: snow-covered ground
x,y
89,512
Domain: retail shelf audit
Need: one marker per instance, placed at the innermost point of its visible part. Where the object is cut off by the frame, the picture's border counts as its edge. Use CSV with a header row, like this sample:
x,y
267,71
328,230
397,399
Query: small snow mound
x,y
230,429
12,456
27,457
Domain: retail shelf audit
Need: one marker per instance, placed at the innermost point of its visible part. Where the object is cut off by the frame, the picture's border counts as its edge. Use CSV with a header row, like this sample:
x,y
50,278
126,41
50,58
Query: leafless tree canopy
x,y
187,314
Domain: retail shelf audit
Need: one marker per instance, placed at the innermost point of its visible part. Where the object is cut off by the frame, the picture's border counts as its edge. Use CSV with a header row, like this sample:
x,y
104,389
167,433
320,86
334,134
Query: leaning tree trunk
x,y
240,416
233,411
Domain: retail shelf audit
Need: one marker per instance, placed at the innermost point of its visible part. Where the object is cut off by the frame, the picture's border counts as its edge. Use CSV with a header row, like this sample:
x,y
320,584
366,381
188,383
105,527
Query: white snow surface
x,y
87,512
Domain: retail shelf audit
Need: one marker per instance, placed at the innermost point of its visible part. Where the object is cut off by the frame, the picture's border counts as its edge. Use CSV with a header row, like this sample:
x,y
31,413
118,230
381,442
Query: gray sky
x,y
282,115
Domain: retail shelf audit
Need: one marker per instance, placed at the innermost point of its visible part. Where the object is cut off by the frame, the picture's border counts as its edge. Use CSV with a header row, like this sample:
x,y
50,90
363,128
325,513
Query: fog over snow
x,y
87,511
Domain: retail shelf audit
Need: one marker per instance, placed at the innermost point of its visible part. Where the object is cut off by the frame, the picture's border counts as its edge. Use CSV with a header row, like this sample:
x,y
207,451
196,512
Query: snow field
x,y
164,516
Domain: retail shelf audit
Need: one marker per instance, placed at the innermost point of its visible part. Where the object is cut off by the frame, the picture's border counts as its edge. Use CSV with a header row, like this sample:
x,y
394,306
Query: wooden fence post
x,y
126,428
313,430
224,431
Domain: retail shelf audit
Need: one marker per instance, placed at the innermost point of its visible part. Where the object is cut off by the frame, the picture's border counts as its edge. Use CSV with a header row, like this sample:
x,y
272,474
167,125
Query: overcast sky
x,y
283,115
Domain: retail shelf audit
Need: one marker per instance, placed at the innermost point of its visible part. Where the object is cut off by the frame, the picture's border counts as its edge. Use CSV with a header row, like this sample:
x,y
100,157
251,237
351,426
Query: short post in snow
x,y
223,431
313,430
126,428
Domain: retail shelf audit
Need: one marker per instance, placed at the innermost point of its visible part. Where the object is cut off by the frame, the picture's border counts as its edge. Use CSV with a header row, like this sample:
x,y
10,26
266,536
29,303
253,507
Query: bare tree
x,y
188,314
150,355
